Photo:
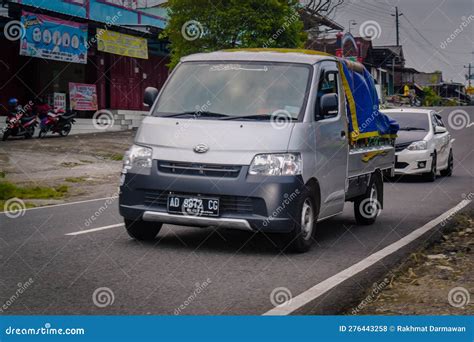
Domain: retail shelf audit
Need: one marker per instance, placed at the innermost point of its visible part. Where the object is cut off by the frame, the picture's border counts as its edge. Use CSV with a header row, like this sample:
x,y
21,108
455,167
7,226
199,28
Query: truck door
x,y
332,146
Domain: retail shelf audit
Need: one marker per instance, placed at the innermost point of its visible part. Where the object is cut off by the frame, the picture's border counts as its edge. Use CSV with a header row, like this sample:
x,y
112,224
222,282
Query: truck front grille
x,y
196,169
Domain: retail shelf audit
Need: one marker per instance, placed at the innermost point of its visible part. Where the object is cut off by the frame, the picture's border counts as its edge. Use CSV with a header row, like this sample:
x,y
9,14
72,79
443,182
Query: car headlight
x,y
139,157
418,146
284,164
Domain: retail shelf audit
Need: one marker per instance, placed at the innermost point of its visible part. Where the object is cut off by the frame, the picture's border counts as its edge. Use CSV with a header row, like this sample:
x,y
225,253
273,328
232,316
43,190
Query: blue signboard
x,y
52,38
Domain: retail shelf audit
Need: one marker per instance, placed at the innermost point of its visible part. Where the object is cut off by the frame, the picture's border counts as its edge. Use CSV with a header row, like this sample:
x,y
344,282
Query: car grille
x,y
401,147
196,169
228,204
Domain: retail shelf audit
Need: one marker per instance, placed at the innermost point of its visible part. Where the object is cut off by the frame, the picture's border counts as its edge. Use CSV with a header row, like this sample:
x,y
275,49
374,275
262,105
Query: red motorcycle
x,y
59,122
20,125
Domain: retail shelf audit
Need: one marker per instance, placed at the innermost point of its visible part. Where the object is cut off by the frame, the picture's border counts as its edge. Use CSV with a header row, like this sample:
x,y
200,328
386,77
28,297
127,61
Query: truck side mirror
x,y
440,130
150,96
328,106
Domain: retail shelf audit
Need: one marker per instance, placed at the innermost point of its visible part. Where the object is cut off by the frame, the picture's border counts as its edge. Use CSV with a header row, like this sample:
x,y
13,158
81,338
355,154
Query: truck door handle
x,y
343,134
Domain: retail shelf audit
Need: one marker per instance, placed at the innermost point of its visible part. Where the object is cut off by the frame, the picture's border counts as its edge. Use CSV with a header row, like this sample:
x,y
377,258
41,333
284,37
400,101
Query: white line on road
x,y
63,204
323,287
95,229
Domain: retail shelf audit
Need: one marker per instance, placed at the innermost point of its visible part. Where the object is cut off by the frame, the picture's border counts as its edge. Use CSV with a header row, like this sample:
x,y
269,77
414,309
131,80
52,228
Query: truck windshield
x,y
236,91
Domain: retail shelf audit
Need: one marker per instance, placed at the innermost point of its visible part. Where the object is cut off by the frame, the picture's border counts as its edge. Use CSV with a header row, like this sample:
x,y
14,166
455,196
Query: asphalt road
x,y
199,271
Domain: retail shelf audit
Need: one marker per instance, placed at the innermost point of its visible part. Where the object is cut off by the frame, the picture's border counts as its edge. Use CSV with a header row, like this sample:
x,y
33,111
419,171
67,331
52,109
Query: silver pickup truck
x,y
252,140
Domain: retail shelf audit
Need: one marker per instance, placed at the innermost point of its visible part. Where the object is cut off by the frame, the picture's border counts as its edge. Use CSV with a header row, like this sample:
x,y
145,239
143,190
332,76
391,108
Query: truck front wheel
x,y
368,206
304,225
142,230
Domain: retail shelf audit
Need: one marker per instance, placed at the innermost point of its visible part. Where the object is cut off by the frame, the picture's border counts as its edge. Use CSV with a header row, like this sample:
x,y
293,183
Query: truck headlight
x,y
139,157
418,146
284,164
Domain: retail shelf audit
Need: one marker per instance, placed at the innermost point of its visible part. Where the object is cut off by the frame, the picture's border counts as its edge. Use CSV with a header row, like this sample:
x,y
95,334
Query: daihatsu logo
x,y
201,148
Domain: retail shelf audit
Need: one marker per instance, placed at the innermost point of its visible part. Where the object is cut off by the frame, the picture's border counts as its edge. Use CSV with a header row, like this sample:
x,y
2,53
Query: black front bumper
x,y
264,203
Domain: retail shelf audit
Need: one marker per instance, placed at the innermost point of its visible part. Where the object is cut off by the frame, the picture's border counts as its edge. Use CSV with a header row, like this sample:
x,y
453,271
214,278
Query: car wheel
x,y
449,170
431,176
301,237
142,230
368,206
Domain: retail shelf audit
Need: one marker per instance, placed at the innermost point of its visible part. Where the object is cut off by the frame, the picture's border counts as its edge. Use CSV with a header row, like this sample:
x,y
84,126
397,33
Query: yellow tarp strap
x,y
352,106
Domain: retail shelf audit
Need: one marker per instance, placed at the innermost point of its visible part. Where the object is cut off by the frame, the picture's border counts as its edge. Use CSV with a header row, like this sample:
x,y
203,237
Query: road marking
x,y
323,287
63,204
95,229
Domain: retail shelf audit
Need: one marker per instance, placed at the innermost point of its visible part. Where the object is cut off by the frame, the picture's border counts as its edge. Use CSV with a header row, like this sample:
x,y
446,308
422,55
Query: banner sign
x,y
59,101
51,38
82,96
122,44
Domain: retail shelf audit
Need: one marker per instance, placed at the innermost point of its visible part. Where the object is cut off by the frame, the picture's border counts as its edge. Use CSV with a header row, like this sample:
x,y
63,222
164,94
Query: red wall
x,y
127,83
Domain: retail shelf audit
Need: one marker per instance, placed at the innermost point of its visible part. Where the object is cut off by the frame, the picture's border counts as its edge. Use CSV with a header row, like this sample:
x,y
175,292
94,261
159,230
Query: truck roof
x,y
262,55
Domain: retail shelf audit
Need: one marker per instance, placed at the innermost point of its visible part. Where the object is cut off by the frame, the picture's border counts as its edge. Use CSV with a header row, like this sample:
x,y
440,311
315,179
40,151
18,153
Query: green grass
x,y
75,179
3,174
113,156
9,190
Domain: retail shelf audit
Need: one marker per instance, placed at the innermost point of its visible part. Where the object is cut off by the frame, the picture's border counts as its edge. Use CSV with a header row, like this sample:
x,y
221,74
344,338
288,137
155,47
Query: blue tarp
x,y
365,118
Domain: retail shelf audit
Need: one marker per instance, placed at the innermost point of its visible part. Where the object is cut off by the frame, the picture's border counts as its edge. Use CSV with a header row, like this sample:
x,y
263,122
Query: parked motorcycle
x,y
20,124
59,122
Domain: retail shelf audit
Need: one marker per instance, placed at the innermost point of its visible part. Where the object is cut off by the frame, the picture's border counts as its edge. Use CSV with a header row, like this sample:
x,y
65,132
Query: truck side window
x,y
327,85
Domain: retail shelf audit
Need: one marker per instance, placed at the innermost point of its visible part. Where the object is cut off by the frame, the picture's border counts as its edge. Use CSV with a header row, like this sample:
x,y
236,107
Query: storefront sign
x,y
52,38
59,101
122,44
82,96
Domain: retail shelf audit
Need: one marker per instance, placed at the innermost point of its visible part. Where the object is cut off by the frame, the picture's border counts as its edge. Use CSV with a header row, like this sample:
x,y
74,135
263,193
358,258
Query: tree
x,y
323,8
203,25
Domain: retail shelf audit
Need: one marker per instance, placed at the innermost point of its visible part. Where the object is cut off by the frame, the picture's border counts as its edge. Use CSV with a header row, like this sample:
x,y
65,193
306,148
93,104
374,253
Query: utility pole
x,y
469,73
397,24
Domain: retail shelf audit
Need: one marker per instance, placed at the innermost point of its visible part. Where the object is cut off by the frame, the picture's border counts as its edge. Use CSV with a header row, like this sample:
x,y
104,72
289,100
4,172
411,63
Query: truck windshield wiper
x,y
411,129
196,114
259,117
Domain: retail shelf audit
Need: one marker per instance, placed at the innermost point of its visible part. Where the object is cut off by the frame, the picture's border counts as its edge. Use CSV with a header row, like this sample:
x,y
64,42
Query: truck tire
x,y
304,225
368,206
142,230
449,171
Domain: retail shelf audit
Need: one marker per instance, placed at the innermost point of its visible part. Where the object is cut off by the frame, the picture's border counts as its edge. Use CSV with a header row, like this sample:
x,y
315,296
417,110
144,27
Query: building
x,y
90,54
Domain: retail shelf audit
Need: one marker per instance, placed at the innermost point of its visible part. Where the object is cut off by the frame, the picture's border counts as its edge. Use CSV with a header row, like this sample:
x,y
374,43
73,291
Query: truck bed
x,y
364,160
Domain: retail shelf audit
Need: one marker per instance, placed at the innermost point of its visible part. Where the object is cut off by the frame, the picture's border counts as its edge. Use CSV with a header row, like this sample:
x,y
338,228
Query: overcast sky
x,y
436,20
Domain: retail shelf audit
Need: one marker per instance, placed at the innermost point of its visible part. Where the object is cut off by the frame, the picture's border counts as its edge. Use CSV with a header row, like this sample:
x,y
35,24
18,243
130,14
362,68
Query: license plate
x,y
193,206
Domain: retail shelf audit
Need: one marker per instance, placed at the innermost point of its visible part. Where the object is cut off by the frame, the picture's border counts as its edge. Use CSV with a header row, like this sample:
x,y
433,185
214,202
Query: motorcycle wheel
x,y
42,133
30,132
65,130
6,134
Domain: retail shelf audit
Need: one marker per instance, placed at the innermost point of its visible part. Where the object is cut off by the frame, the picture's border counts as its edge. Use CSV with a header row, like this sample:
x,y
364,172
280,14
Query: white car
x,y
424,145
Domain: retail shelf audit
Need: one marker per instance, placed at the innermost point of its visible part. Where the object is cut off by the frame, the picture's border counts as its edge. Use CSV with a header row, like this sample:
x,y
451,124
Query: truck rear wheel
x,y
142,230
368,206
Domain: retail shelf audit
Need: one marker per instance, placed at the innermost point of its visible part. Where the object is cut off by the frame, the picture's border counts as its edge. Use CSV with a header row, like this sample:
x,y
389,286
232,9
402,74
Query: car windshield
x,y
236,91
411,121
